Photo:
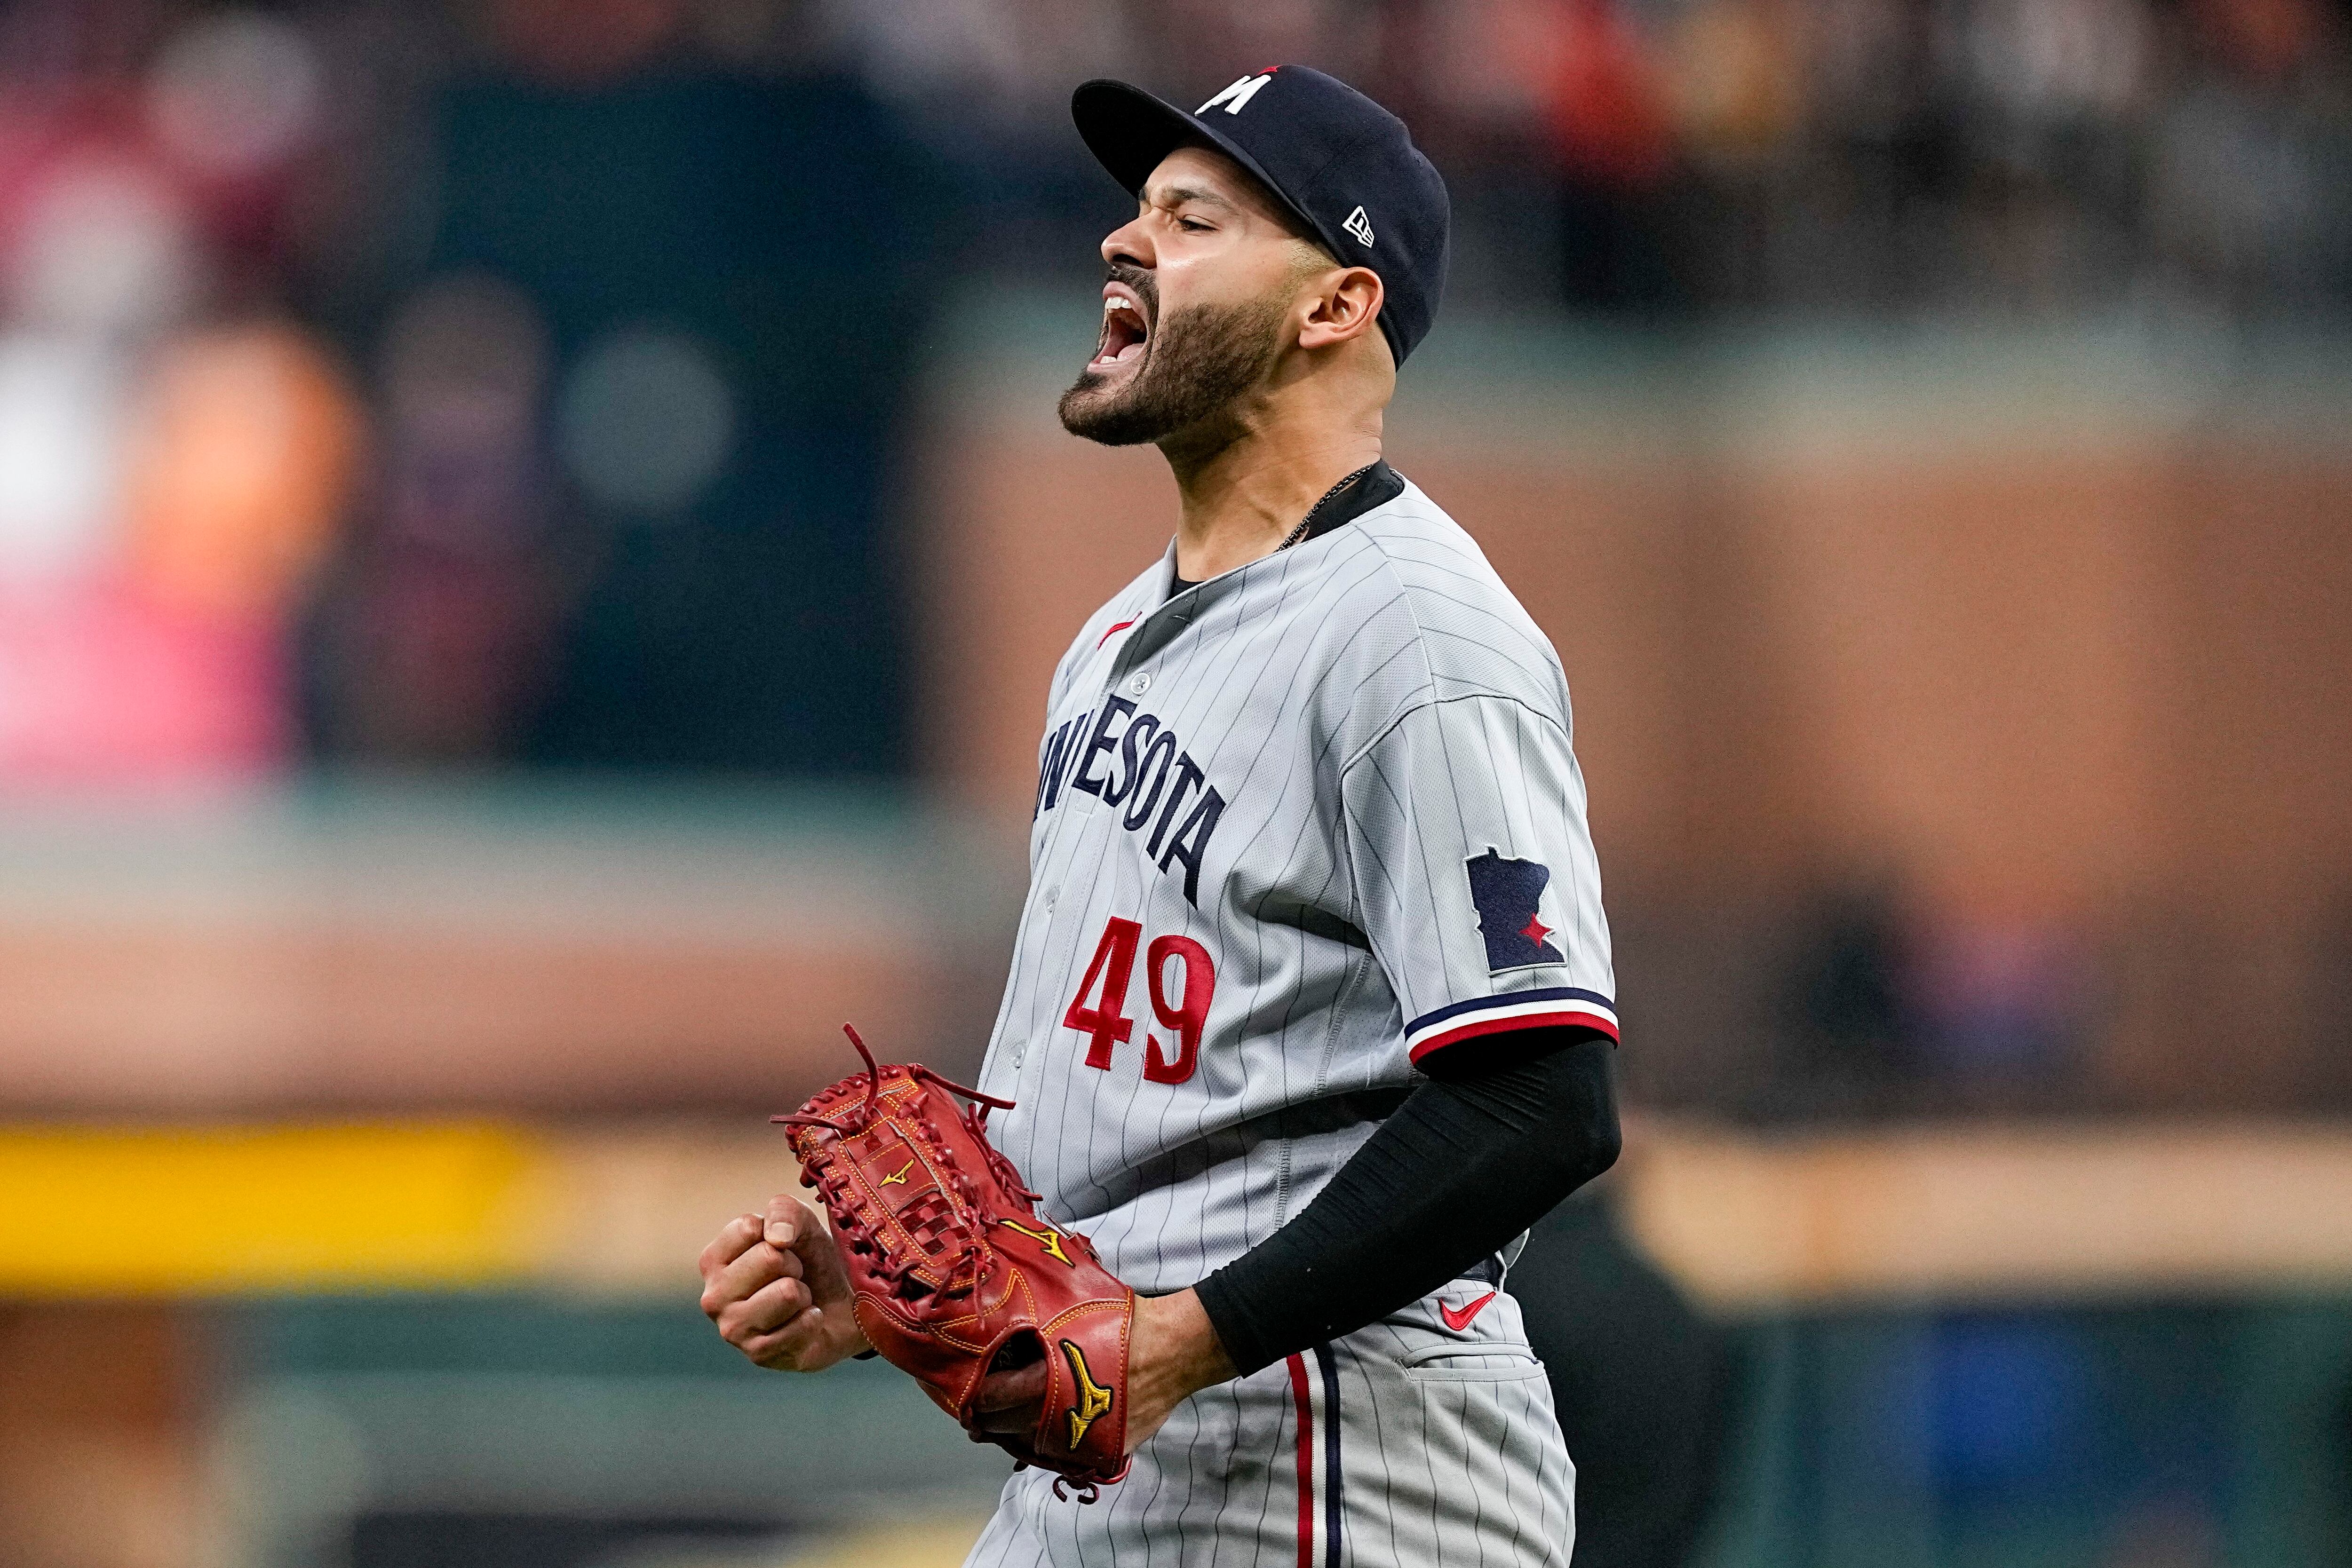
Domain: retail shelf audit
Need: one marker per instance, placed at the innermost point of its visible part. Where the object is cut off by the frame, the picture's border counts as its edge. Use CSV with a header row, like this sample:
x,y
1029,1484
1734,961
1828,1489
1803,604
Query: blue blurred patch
x,y
2011,1404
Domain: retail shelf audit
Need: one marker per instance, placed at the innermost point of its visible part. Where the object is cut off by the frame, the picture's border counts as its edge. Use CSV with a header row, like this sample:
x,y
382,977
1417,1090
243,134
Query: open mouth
x,y
1125,329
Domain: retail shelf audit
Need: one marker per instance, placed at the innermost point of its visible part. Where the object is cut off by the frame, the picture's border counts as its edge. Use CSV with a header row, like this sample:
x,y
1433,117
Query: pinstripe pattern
x,y
1285,774
1420,1447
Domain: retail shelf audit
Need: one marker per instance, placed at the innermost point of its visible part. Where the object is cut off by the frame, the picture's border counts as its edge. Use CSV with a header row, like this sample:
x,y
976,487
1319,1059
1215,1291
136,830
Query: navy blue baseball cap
x,y
1344,165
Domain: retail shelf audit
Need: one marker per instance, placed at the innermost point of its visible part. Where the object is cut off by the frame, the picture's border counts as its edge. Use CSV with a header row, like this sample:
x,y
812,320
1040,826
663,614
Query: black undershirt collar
x,y
1373,487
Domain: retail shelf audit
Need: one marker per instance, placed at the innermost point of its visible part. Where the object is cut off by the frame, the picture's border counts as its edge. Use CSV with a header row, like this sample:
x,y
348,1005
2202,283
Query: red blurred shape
x,y
100,685
1607,113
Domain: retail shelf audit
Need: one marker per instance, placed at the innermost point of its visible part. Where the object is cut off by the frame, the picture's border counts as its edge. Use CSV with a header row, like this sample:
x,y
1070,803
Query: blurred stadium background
x,y
531,534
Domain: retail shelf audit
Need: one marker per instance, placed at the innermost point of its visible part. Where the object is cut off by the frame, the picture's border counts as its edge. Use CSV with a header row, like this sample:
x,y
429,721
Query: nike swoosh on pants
x,y
1458,1318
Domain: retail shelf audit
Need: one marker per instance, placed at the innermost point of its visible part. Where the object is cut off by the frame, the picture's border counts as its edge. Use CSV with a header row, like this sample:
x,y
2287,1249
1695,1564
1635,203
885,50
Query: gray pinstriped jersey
x,y
1295,829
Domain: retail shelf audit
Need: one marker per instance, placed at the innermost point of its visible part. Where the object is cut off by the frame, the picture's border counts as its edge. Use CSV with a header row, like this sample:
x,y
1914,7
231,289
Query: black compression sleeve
x,y
1473,1157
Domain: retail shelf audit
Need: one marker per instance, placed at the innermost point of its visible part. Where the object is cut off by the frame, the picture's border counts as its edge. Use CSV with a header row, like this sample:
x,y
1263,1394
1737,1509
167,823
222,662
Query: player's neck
x,y
1242,499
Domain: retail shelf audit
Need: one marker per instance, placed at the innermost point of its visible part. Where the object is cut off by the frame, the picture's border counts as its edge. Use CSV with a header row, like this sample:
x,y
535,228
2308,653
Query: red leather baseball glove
x,y
954,1273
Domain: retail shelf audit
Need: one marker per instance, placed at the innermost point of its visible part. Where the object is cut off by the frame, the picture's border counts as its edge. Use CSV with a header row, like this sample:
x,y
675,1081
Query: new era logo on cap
x,y
1361,226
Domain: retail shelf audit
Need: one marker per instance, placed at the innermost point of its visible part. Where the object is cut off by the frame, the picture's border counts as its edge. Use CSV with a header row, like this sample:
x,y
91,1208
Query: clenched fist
x,y
775,1286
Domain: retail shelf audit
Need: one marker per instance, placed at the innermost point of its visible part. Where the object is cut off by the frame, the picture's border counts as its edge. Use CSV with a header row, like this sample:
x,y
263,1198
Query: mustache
x,y
1140,279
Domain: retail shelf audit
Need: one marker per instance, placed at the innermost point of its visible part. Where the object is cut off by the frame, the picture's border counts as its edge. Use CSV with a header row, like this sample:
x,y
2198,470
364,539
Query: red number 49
x,y
1105,1022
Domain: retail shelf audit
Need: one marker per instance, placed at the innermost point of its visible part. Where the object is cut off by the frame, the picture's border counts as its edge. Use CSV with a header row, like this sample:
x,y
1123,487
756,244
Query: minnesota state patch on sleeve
x,y
1508,894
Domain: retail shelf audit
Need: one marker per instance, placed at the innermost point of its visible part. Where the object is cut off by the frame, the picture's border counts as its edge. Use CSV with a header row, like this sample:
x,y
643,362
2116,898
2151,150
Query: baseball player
x,y
1311,1010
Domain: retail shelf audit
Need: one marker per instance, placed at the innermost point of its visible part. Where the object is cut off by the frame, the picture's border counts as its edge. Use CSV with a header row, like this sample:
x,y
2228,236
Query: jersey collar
x,y
1375,486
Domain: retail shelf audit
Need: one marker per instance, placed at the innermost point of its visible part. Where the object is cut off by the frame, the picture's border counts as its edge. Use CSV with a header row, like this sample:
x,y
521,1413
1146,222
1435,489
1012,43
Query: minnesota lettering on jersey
x,y
1143,771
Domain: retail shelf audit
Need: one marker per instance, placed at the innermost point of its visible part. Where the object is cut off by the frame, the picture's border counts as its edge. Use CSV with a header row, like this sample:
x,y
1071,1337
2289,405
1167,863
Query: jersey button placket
x,y
1124,677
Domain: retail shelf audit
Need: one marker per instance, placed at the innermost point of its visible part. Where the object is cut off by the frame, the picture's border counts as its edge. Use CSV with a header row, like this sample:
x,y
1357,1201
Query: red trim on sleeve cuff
x,y
1563,1019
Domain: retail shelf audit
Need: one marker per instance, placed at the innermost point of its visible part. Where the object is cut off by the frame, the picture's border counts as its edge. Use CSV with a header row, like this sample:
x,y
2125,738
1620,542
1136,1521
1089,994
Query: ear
x,y
1342,308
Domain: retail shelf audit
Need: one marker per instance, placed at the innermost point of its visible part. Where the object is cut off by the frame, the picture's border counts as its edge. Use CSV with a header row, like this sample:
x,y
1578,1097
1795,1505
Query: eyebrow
x,y
1177,196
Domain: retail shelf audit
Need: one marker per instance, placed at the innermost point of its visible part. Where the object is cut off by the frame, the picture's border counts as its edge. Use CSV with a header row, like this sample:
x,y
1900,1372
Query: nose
x,y
1129,243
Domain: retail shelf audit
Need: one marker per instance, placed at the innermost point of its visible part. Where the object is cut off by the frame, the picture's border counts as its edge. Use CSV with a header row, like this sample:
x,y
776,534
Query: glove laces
x,y
972,1253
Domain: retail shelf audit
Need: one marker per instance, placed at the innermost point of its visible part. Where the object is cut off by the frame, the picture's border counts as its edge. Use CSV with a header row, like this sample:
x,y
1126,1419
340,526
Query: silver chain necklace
x,y
1304,523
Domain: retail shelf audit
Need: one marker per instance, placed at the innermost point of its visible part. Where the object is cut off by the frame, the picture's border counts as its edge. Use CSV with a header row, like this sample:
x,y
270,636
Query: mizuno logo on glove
x,y
1093,1398
1045,1236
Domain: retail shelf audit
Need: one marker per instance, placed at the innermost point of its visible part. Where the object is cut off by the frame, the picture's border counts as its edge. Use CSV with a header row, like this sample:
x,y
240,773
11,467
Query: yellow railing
x,y
1745,1221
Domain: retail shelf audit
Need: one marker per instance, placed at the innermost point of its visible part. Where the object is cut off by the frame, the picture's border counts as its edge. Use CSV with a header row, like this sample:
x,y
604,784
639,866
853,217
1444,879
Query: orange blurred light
x,y
243,469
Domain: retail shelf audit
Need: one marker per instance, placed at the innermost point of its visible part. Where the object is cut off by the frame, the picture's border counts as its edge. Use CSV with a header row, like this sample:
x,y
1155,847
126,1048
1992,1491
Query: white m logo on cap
x,y
1236,97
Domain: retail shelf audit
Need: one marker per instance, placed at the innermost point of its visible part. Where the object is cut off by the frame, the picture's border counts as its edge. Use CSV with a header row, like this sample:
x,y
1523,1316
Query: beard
x,y
1198,363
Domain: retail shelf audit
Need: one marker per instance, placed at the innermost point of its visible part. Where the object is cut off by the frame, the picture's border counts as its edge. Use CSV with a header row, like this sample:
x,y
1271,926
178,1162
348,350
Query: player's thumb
x,y
793,1227
788,1222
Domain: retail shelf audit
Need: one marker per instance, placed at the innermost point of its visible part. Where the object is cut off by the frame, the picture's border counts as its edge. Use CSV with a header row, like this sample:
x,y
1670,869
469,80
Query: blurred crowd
x,y
393,386
519,381
1670,157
